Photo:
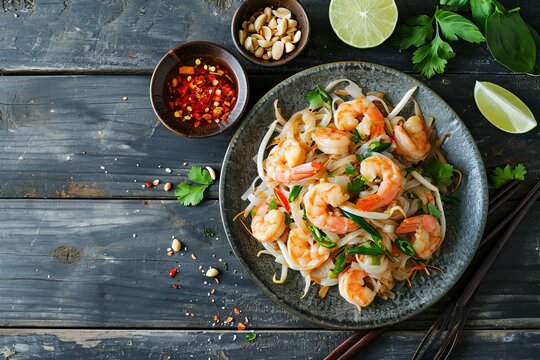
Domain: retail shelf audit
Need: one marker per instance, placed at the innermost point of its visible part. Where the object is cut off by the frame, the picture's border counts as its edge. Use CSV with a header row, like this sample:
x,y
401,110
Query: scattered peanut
x,y
176,245
167,187
211,172
155,182
271,30
212,272
168,170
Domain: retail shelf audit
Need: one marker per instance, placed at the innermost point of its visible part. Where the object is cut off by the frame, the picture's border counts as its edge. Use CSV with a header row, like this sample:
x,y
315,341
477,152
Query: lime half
x,y
363,23
502,108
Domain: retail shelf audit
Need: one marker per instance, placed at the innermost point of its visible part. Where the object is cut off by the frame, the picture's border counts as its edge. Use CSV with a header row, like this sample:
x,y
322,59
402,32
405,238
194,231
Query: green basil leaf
x,y
415,32
536,37
510,41
480,10
460,4
453,25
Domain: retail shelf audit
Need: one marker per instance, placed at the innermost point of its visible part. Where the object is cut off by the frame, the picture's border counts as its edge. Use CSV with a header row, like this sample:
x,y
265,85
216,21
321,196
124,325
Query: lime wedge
x,y
363,23
502,108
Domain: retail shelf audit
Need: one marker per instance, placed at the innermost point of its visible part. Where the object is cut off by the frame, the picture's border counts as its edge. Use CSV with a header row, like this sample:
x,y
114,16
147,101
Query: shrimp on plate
x,y
304,251
380,166
267,224
286,162
360,114
412,138
332,141
316,203
427,234
354,289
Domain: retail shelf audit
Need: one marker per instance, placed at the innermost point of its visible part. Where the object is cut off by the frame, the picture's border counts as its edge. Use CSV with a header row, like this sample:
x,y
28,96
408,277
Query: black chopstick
x,y
364,337
446,330
350,341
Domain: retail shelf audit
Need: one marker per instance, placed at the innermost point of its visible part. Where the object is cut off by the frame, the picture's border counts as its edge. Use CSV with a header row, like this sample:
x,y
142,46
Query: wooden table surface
x,y
83,264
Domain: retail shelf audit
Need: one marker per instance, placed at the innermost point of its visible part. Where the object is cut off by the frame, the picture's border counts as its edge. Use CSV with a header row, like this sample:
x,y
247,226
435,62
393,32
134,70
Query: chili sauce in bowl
x,y
198,90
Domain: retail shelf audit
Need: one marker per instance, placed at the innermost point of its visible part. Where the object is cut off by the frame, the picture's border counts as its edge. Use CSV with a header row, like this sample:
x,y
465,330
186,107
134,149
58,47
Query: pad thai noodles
x,y
350,193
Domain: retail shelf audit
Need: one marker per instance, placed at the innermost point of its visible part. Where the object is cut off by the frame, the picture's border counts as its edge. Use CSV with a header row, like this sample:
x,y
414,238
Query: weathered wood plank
x,y
108,278
55,142
173,344
131,36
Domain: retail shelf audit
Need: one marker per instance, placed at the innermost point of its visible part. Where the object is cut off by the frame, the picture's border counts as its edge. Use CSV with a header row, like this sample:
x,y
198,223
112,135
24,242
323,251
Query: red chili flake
x,y
172,272
236,311
175,286
148,184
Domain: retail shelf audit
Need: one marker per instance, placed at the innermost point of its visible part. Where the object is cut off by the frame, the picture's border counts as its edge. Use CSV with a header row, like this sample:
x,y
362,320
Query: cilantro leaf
x,y
433,210
502,176
431,58
200,176
350,169
415,32
251,337
354,187
453,25
317,97
357,137
190,194
440,172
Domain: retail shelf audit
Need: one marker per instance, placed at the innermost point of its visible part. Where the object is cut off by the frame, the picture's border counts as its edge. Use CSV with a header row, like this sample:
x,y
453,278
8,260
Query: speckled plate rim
x,y
267,97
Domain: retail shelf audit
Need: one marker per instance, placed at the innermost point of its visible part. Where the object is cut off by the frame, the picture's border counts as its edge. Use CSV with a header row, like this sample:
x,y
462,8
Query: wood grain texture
x,y
57,132
203,345
131,36
117,280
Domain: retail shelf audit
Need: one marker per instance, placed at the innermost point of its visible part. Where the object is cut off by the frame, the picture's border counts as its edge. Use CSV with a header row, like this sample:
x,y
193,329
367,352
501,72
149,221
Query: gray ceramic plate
x,y
466,219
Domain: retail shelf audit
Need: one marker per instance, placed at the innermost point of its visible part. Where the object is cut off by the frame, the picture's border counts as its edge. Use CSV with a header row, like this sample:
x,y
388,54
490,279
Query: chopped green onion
x,y
324,95
357,137
320,237
405,246
294,193
252,212
433,210
366,226
340,264
379,146
273,204
371,249
251,337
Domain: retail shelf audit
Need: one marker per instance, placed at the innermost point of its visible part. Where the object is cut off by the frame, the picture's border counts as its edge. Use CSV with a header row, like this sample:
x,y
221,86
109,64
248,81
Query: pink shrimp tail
x,y
305,170
370,202
412,224
378,121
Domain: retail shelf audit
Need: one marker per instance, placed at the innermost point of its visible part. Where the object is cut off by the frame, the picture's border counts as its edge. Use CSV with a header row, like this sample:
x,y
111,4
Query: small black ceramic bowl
x,y
249,7
168,68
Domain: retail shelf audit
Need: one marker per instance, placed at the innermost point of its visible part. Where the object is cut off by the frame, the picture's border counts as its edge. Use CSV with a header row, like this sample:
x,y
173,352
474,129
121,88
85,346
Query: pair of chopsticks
x,y
456,313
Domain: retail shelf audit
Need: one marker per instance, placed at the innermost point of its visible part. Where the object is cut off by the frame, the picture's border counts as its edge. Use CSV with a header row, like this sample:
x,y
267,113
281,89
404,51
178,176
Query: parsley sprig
x,y
426,34
501,176
192,195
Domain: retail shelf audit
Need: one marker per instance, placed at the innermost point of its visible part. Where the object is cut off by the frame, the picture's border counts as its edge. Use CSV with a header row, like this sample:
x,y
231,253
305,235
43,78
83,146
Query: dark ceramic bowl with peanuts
x,y
270,33
199,89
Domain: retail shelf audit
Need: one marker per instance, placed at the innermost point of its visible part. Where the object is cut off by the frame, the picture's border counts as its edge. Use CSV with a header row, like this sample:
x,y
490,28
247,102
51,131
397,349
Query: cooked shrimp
x,y
305,255
360,114
285,162
353,288
316,202
412,138
379,166
427,234
332,141
267,225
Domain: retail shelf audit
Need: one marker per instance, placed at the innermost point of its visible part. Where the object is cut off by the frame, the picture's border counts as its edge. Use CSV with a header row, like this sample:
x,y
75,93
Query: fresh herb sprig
x,y
511,41
318,97
501,176
426,34
192,195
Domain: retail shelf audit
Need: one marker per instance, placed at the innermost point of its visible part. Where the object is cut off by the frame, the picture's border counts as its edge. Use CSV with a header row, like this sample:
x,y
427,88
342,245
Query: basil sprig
x,y
294,193
405,246
320,237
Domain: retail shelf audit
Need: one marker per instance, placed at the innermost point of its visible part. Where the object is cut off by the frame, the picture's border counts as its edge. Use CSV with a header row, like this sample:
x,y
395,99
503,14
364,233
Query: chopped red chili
x,y
172,272
201,93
